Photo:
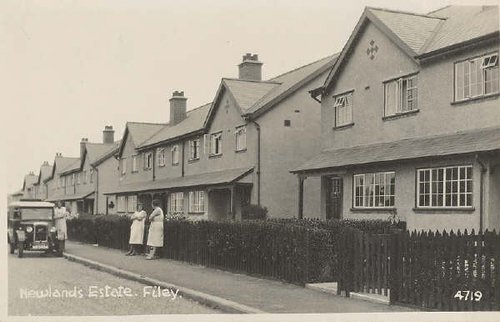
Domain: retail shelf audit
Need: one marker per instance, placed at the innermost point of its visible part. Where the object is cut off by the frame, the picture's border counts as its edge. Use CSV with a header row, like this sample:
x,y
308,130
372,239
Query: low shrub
x,y
254,212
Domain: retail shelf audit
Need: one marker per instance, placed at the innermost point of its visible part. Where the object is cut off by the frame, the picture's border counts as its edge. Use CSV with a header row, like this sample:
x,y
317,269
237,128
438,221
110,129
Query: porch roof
x,y
482,140
202,179
76,196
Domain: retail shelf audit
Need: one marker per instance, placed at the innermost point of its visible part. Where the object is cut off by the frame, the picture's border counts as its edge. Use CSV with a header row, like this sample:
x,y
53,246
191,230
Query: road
x,y
46,285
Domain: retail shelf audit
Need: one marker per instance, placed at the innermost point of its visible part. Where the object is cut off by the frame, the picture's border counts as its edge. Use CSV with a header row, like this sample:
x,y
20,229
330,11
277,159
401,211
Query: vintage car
x,y
31,227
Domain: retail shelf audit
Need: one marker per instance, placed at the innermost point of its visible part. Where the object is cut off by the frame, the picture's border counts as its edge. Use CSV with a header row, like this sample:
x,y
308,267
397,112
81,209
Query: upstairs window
x,y
216,143
91,176
78,178
476,77
194,148
84,175
123,165
343,109
148,160
134,163
175,155
161,157
241,138
73,179
401,95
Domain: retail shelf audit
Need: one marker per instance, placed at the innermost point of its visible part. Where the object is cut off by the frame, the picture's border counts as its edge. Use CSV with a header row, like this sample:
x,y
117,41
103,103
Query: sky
x,y
68,68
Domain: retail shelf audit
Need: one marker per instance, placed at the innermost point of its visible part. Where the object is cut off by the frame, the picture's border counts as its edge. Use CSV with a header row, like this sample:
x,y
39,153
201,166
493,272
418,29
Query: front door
x,y
334,198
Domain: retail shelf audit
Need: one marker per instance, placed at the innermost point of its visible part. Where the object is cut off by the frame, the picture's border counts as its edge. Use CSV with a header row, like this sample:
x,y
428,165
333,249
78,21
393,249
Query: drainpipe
x,y
154,164
257,127
96,190
484,169
183,158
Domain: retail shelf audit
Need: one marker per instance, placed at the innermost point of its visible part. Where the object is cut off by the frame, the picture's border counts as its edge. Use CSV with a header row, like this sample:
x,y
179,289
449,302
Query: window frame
x,y
483,80
240,131
399,110
373,189
176,203
444,187
174,153
123,166
198,207
335,107
134,163
194,150
148,160
161,157
124,204
212,146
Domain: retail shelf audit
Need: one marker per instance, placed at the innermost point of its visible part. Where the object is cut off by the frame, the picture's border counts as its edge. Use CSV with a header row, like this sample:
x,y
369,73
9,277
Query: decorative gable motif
x,y
372,49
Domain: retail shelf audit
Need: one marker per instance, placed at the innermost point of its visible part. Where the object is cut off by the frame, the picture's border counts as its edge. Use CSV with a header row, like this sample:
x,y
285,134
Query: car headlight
x,y
29,229
53,229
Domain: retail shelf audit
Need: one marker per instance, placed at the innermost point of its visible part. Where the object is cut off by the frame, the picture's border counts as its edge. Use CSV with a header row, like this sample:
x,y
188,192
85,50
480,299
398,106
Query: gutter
x,y
484,169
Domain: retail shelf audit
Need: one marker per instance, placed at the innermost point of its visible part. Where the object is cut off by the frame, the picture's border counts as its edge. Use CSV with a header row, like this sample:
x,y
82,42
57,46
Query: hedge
x,y
296,251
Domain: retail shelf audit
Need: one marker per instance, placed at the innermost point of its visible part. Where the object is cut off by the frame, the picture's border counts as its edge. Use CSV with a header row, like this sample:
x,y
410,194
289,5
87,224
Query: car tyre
x,y
20,249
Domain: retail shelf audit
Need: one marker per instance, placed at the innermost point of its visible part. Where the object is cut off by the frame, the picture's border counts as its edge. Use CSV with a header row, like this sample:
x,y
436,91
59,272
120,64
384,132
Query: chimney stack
x,y
177,107
108,135
45,163
250,68
82,146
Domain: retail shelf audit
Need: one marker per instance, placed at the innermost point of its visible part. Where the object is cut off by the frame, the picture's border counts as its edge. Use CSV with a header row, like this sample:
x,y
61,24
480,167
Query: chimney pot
x,y
178,107
250,68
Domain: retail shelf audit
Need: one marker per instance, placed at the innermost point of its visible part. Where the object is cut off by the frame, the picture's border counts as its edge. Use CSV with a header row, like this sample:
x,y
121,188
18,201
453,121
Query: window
x,y
241,138
287,123
121,204
134,163
84,175
132,203
148,160
124,165
194,149
196,201
73,179
401,95
161,157
444,187
78,178
176,202
216,143
476,77
343,109
374,190
175,155
91,176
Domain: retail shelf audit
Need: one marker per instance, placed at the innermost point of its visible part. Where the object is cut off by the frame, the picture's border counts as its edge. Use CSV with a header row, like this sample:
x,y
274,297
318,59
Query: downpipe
x,y
483,170
257,127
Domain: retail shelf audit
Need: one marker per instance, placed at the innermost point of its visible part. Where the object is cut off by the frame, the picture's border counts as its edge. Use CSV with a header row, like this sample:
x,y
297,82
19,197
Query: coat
x,y
60,223
137,228
155,235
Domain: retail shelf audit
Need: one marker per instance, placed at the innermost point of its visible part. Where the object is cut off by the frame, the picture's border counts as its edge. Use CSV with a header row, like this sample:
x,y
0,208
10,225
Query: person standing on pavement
x,y
155,235
136,230
60,214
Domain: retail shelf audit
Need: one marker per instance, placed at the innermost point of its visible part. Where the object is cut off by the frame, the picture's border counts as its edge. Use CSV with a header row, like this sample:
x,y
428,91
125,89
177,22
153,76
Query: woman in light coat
x,y
155,235
60,214
136,230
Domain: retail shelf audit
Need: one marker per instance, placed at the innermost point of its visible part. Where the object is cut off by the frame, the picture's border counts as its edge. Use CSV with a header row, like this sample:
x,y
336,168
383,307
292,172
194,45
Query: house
x,y
15,196
40,186
212,161
411,121
96,168
28,185
55,183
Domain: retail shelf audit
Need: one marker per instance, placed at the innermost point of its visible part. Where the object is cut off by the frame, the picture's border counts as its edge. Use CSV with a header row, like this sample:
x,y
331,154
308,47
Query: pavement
x,y
223,290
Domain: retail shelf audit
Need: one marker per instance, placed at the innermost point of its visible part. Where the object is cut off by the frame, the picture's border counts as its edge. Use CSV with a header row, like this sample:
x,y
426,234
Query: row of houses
x,y
403,123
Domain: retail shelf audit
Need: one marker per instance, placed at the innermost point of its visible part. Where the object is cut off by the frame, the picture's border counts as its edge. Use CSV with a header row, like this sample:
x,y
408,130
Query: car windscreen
x,y
36,213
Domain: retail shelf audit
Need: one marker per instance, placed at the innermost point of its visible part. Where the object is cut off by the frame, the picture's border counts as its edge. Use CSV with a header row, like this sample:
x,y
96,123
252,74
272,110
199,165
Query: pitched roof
x,y
29,180
61,164
202,179
193,122
72,167
246,92
105,153
95,151
139,132
482,140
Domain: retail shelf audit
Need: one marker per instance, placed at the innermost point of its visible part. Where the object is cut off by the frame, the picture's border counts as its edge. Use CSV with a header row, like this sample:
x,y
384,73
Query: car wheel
x,y
20,249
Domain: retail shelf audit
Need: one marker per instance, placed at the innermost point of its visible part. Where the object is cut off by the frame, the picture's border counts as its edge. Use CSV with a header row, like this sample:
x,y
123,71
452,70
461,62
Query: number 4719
x,y
468,296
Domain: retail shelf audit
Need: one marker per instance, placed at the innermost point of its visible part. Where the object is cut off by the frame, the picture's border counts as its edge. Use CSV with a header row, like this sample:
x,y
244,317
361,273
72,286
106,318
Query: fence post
x,y
396,266
307,259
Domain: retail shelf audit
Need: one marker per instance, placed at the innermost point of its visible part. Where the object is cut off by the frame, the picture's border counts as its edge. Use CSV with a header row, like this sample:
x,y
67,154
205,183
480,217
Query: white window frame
x,y
342,107
194,149
401,95
161,157
91,176
123,166
84,175
175,154
241,138
121,204
134,163
470,77
216,143
148,160
366,195
131,203
176,202
196,202
78,179
445,187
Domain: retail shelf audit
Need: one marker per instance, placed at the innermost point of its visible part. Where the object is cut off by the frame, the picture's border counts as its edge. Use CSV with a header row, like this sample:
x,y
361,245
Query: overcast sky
x,y
71,67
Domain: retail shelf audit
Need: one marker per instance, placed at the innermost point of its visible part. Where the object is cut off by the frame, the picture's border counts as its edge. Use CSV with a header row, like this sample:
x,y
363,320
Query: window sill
x,y
193,160
196,213
374,209
213,156
444,210
477,98
344,126
241,151
400,115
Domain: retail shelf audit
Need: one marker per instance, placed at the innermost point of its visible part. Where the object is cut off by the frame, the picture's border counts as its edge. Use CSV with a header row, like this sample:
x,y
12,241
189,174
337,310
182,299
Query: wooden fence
x,y
437,271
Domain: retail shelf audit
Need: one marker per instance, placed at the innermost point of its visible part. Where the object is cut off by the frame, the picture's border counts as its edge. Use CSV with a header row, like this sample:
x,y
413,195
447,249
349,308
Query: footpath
x,y
230,292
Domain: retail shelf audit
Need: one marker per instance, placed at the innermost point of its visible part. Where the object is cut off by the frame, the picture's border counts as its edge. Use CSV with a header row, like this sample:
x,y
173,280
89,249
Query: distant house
x,y
55,183
15,196
411,121
83,180
29,185
213,161
40,186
